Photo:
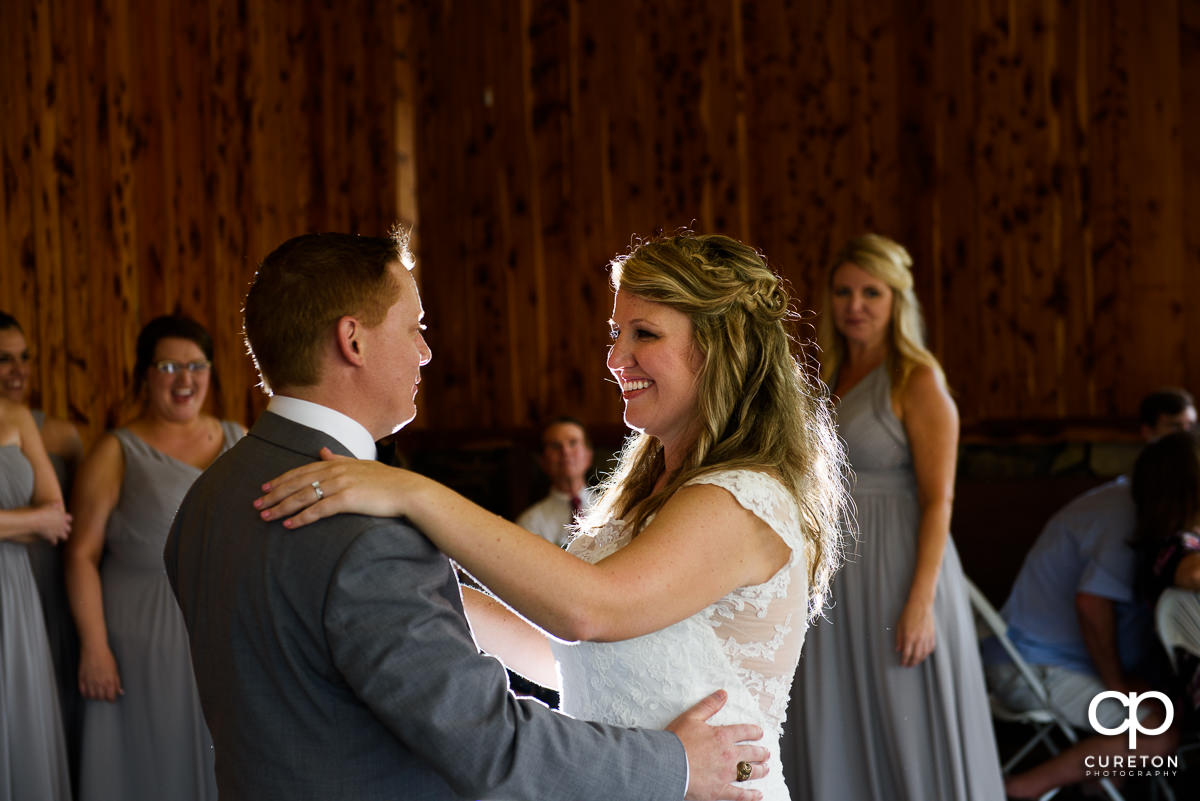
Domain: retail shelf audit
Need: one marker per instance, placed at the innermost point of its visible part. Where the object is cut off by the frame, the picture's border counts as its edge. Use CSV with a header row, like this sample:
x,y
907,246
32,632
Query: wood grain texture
x,y
1029,154
154,153
1032,156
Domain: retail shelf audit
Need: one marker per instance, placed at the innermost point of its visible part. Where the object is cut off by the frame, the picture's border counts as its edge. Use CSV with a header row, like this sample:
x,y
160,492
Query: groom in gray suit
x,y
334,662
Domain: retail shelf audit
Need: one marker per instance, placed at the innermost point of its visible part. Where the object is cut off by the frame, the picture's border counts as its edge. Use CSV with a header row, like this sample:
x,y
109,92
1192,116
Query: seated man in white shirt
x,y
566,458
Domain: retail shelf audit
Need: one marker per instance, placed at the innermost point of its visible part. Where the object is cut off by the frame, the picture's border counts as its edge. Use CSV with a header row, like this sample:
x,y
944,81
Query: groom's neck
x,y
338,400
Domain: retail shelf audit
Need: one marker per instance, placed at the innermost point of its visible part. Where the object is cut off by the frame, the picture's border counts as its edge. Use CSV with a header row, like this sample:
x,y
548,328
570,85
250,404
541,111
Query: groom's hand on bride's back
x,y
714,752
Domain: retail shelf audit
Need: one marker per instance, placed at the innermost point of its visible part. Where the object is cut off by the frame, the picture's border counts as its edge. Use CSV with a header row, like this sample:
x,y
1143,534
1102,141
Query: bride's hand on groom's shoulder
x,y
331,486
714,753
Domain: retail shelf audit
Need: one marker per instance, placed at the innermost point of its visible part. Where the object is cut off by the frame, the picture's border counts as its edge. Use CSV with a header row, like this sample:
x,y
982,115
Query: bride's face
x,y
656,362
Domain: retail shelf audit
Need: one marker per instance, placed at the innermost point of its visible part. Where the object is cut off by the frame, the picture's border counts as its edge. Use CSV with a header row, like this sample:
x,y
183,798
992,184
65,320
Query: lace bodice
x,y
747,643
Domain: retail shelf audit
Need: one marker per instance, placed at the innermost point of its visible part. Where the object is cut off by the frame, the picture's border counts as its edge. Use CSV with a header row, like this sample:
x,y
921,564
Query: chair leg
x,y
1162,786
1043,737
1111,791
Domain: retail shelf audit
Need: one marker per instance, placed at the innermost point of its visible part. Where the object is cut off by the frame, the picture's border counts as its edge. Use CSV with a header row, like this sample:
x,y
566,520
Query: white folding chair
x,y
1045,719
1177,618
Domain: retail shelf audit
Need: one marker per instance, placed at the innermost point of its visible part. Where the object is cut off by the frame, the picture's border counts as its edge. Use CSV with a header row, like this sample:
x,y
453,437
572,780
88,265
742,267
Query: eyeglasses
x,y
169,367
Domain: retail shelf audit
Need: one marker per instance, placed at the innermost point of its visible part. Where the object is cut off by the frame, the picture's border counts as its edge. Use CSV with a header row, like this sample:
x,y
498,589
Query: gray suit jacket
x,y
334,662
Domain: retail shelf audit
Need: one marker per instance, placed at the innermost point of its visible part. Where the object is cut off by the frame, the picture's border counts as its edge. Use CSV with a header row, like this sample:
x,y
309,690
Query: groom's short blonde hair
x,y
304,287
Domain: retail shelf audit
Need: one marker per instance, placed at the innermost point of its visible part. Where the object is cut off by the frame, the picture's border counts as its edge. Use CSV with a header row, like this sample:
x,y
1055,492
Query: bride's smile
x,y
656,362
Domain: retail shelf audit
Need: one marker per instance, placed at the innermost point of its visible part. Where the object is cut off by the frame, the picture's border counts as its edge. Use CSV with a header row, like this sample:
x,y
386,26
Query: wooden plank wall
x,y
1031,155
154,152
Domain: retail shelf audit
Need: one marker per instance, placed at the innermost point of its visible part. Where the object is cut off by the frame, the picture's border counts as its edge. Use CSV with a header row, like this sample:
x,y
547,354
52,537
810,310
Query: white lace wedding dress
x,y
747,643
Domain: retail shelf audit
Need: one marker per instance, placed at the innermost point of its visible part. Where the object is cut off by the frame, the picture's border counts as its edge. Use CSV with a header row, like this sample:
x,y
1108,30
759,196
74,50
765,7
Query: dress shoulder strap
x,y
763,495
232,432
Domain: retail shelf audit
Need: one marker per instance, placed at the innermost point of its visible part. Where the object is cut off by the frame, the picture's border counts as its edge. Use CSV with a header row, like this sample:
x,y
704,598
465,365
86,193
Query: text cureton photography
x,y
1117,765
1104,766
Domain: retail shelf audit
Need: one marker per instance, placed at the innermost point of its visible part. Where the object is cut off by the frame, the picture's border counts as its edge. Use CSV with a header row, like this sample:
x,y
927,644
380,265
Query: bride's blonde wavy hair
x,y
758,405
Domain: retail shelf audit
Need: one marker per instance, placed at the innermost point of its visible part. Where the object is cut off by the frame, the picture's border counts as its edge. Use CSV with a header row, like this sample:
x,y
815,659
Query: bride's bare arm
x,y
522,647
700,546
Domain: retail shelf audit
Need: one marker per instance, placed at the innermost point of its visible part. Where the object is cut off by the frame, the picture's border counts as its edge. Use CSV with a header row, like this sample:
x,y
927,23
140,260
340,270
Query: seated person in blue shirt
x,y
1073,615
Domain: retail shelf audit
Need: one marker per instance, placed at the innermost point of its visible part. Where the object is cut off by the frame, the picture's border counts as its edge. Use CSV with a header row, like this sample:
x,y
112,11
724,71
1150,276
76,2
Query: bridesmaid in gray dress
x,y
46,561
64,447
889,699
144,736
33,762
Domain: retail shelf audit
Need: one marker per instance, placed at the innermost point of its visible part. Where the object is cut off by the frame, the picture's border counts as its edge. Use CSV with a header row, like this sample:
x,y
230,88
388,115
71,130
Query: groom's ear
x,y
349,340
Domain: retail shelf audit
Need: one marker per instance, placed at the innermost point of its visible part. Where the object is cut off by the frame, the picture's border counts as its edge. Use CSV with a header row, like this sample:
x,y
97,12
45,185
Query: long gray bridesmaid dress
x,y
152,743
46,561
33,760
862,727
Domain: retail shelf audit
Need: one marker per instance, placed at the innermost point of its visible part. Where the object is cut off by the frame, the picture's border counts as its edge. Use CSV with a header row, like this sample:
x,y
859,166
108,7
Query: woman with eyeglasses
x,y
144,735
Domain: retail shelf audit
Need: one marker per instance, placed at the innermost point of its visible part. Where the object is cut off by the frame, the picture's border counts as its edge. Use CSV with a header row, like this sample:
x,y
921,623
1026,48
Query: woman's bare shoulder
x,y
925,387
62,438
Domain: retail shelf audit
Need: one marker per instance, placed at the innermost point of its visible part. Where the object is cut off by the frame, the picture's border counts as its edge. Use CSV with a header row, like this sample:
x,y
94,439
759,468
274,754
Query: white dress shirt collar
x,y
585,495
345,430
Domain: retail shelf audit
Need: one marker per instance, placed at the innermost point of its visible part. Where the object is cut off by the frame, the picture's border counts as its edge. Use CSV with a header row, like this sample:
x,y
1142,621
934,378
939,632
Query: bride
x,y
715,538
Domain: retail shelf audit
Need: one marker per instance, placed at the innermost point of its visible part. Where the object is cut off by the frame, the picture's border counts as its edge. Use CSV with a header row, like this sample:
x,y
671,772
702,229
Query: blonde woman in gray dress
x,y
144,736
889,696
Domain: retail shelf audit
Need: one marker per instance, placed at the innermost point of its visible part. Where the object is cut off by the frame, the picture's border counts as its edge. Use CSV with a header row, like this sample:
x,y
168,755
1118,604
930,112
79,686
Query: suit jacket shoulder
x,y
335,662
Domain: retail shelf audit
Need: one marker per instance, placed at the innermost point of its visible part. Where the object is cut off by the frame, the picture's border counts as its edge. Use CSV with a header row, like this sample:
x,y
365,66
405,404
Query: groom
x,y
334,662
